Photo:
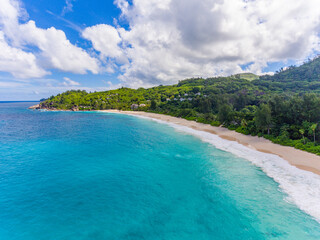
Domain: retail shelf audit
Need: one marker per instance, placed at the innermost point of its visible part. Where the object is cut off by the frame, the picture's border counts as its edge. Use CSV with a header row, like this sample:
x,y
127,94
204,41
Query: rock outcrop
x,y
34,107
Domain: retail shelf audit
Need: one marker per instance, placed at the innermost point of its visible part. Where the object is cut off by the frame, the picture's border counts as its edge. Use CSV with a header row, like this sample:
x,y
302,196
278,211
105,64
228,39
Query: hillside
x,y
305,78
284,107
246,76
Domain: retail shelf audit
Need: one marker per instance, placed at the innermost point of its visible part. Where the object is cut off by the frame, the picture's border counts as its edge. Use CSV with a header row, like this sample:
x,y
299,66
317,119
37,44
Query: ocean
x,y
101,176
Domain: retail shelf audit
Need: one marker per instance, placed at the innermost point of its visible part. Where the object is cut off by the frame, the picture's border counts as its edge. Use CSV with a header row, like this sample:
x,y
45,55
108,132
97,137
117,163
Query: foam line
x,y
302,187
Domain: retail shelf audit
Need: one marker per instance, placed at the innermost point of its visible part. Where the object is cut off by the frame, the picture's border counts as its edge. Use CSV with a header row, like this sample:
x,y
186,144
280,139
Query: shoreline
x,y
295,157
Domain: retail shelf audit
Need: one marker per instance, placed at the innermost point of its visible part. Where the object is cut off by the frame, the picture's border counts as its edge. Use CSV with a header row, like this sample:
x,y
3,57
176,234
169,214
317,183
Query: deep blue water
x,y
94,176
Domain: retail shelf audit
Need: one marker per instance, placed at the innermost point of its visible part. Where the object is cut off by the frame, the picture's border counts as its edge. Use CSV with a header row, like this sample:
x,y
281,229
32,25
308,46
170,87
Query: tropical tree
x,y
263,118
313,128
244,123
225,114
153,104
301,131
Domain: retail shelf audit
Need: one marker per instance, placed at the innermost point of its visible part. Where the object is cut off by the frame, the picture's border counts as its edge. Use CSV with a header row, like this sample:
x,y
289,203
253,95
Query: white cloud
x,y
112,86
68,7
68,23
10,12
174,39
19,63
69,83
35,89
166,40
105,39
54,50
11,84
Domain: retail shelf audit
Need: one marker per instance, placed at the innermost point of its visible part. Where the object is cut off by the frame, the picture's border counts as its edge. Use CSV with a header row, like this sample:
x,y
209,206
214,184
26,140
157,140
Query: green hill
x,y
305,78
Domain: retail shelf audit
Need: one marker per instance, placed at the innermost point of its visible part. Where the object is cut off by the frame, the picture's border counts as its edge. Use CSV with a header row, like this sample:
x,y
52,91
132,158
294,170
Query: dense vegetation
x,y
284,108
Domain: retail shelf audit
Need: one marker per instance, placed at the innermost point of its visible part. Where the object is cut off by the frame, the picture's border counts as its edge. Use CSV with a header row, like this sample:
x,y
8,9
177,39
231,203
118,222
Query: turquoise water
x,y
94,176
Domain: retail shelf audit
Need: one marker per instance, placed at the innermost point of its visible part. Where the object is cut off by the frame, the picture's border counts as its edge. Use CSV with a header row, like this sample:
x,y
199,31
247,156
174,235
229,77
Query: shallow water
x,y
76,175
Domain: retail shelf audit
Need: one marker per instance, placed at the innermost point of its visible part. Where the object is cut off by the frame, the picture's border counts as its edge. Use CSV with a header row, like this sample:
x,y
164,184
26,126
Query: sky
x,y
48,47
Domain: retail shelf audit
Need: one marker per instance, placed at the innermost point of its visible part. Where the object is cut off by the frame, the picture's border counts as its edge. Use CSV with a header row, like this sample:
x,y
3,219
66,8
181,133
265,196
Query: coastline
x,y
298,158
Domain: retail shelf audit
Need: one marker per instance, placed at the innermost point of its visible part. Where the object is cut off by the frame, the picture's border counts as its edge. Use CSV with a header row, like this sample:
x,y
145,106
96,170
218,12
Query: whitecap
x,y
302,187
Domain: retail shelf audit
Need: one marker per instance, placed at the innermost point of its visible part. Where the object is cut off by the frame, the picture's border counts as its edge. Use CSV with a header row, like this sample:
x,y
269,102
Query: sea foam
x,y
302,187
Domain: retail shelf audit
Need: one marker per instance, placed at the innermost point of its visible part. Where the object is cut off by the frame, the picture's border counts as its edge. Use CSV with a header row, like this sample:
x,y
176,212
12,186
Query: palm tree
x,y
244,123
302,133
313,127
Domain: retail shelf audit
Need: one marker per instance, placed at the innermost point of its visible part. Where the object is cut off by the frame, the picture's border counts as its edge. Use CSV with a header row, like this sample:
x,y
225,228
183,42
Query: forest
x,y
284,107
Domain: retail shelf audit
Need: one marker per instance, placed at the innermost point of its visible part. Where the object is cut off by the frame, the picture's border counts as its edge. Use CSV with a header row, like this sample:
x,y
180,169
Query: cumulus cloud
x,y
10,12
21,64
174,39
167,40
105,39
54,50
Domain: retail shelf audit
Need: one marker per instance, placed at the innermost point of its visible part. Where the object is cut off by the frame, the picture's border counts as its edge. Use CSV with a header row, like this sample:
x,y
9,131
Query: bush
x,y
215,123
243,130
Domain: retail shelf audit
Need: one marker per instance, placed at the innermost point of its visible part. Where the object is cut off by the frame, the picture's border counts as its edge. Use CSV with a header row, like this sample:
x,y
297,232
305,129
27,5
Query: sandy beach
x,y
300,159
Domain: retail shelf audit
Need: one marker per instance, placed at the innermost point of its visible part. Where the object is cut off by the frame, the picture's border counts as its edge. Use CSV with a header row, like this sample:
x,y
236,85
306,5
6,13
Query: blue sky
x,y
50,13
47,47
